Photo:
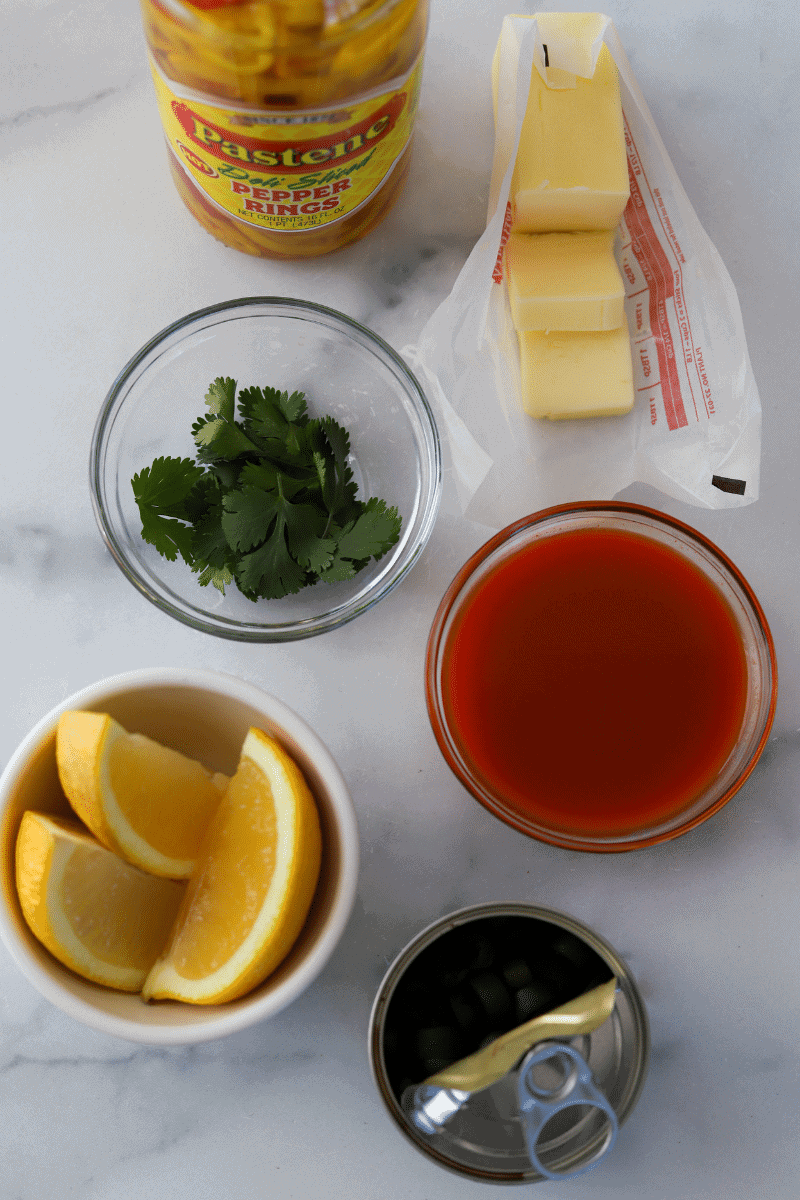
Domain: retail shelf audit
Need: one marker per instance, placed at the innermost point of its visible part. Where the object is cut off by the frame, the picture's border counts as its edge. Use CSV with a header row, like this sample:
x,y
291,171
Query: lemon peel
x,y
254,883
146,802
99,916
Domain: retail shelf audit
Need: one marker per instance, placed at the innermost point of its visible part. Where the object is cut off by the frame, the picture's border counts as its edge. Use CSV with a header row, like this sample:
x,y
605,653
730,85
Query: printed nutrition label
x,y
668,370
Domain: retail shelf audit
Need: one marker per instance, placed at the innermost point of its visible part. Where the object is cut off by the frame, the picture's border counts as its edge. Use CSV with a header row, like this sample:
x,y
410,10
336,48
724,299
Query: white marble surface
x,y
98,254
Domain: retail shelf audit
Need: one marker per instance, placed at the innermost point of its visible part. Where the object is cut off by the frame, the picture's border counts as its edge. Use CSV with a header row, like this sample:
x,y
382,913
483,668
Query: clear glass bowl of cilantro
x,y
265,469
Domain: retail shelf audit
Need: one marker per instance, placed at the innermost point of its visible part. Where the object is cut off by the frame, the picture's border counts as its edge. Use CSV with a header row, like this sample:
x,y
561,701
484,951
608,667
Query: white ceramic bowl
x,y
205,715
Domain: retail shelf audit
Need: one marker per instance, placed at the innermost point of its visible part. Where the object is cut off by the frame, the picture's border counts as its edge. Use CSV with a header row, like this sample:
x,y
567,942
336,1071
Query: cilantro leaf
x,y
221,398
204,496
268,413
161,492
209,543
371,534
293,407
226,473
262,474
265,474
166,484
261,416
320,464
270,572
247,516
221,438
337,488
220,577
305,527
168,535
339,570
315,553
270,504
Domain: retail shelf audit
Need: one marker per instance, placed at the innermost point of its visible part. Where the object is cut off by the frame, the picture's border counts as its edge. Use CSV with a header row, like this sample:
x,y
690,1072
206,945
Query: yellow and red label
x,y
289,170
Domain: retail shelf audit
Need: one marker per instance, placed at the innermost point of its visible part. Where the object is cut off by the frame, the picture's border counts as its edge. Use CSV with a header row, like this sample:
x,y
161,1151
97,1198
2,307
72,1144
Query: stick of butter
x,y
564,281
576,374
571,171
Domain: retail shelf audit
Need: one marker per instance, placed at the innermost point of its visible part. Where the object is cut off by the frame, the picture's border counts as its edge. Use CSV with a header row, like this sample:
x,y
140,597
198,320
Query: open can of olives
x,y
474,975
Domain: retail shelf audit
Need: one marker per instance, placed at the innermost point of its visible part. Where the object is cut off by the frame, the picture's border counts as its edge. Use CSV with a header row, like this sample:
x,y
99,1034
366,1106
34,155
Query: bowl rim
x,y
220,1021
429,455
458,586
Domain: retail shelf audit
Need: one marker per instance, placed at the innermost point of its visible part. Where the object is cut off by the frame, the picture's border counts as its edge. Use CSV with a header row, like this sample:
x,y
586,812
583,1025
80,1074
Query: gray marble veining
x,y
98,255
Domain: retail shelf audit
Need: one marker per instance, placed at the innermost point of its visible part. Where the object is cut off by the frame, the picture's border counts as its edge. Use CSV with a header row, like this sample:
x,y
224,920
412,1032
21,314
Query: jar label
x,y
295,169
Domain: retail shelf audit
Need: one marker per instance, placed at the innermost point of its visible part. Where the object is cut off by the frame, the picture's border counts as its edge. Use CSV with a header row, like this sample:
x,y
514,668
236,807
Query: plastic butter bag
x,y
695,428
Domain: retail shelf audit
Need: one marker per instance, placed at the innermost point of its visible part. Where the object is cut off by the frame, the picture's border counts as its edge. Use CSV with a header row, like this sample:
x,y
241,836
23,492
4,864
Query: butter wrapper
x,y
695,429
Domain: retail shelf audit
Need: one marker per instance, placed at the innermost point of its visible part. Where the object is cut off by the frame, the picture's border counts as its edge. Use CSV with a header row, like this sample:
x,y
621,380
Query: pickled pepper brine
x,y
288,122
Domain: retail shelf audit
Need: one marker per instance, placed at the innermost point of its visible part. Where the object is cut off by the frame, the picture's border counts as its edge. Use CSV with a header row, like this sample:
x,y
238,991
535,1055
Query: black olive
x,y
494,998
438,1041
517,973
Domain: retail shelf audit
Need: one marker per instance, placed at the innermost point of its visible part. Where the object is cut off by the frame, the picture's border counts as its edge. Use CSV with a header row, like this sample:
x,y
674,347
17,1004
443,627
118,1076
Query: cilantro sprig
x,y
270,505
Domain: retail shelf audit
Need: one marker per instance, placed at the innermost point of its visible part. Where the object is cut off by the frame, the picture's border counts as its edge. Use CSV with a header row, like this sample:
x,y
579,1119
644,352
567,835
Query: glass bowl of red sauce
x,y
601,676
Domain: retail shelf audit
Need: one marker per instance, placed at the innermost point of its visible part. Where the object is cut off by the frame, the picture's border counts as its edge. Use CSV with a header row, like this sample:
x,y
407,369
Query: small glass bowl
x,y
346,371
712,567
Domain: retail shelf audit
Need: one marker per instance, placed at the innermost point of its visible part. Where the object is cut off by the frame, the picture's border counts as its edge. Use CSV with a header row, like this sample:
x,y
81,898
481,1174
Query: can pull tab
x,y
429,1107
551,1078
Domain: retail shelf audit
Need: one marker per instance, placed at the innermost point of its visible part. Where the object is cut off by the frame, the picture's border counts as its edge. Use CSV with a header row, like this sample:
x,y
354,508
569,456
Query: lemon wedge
x,y
102,918
146,802
249,896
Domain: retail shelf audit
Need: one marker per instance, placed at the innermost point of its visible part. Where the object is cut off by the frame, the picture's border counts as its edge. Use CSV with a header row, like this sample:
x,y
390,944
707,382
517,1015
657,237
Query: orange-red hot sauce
x,y
597,680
